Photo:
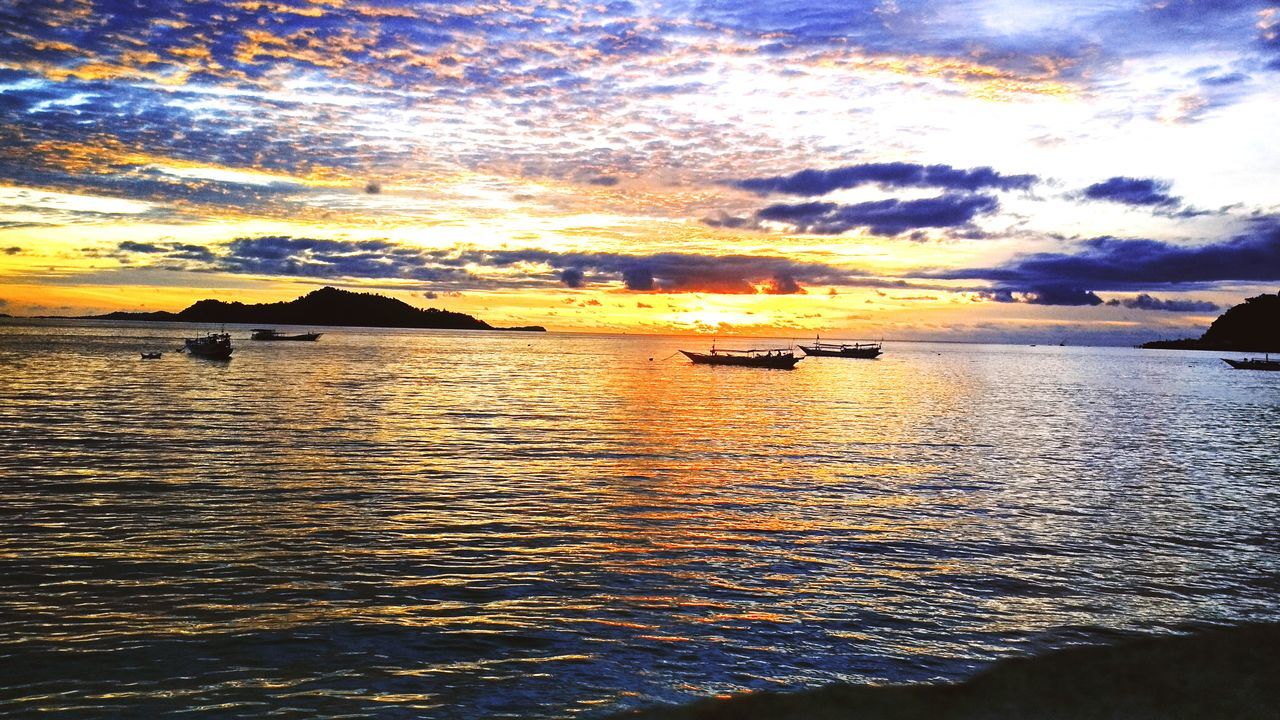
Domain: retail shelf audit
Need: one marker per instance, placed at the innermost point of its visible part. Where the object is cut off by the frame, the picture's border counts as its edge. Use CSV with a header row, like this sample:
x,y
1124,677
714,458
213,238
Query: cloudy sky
x,y
970,169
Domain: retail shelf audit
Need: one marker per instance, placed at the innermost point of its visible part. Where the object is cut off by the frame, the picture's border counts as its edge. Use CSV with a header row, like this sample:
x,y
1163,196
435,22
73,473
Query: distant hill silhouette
x,y
326,306
1251,326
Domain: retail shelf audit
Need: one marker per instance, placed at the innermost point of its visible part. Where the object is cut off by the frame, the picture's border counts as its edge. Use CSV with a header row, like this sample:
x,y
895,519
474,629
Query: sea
x,y
454,524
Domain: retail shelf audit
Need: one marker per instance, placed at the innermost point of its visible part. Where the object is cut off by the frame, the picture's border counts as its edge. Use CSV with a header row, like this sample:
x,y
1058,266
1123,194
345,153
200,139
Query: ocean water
x,y
436,524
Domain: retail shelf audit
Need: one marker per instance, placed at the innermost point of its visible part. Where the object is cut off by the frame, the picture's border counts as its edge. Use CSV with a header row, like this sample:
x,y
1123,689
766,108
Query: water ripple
x,y
457,525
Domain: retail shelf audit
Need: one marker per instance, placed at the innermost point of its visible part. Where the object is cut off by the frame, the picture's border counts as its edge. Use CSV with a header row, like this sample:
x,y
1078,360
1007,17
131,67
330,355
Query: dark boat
x,y
269,334
776,358
215,346
1254,363
866,351
150,356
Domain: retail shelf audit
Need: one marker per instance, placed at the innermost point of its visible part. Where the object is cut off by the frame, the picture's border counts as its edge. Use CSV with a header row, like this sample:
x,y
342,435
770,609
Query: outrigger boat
x,y
867,351
777,358
215,346
269,334
1265,363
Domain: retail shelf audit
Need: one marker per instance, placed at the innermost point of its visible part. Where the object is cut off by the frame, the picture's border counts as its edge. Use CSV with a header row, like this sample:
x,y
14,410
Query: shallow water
x,y
463,524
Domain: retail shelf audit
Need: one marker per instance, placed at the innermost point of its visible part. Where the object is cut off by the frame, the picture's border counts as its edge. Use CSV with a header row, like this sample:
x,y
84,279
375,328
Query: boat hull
x,y
271,335
863,353
1253,364
776,362
212,347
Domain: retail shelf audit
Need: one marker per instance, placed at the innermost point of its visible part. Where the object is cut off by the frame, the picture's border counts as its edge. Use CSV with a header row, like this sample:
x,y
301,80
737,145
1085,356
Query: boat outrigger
x,y
1264,363
777,358
867,351
270,334
215,346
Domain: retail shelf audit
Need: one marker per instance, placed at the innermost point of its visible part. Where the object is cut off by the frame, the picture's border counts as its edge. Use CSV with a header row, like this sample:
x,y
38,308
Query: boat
x,y
150,356
1264,363
777,358
866,351
216,346
270,334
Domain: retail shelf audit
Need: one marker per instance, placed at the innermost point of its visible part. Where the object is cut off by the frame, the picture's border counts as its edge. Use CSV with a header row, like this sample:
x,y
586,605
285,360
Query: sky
x,y
991,170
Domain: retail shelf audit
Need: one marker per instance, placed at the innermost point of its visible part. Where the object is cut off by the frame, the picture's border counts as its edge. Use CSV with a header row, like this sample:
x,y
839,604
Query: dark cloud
x,y
170,251
137,247
889,175
381,259
1047,295
13,250
311,257
638,277
882,217
1109,263
1132,191
603,180
572,277
1222,80
373,187
1147,302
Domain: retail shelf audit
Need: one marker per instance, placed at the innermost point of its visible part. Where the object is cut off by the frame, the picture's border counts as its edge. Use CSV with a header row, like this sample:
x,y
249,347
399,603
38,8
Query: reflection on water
x,y
448,524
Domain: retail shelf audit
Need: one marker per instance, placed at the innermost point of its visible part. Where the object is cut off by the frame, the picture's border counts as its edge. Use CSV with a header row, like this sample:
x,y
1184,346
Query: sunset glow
x,y
974,170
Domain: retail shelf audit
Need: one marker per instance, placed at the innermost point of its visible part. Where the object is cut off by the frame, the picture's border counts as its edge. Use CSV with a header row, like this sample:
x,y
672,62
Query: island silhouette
x,y
326,306
1251,326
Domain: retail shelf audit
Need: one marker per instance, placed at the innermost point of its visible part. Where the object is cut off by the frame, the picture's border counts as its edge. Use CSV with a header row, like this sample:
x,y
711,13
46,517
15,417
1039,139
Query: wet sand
x,y
1217,674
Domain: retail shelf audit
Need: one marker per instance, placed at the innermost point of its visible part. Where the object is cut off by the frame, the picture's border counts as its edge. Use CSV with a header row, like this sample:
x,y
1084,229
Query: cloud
x,y
603,180
278,255
137,247
1146,302
170,250
1222,80
882,217
672,272
1108,263
572,277
12,250
1047,295
812,183
311,257
1132,191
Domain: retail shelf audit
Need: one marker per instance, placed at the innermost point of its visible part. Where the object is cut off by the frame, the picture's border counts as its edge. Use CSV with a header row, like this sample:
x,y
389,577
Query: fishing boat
x,y
777,358
215,346
866,351
1264,363
270,334
150,356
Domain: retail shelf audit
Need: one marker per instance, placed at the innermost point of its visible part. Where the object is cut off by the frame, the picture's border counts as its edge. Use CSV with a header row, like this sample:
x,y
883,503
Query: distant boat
x,y
866,351
1265,363
776,358
215,346
269,334
150,356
